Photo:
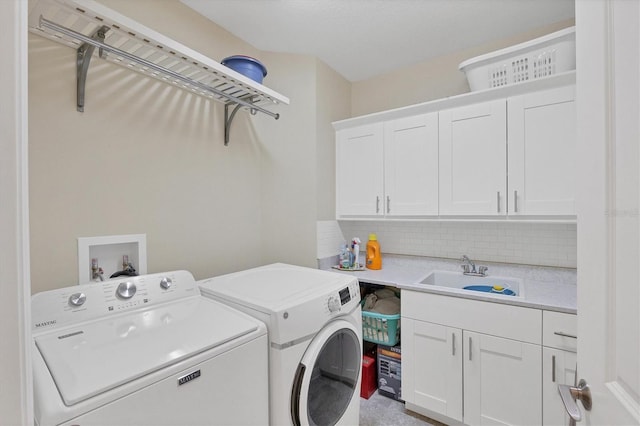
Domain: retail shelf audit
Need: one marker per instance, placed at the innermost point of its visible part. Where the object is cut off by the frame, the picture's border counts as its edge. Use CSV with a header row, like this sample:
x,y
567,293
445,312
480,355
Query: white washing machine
x,y
146,350
315,329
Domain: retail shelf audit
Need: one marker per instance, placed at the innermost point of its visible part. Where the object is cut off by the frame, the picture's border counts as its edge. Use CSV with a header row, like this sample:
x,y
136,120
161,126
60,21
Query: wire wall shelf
x,y
91,28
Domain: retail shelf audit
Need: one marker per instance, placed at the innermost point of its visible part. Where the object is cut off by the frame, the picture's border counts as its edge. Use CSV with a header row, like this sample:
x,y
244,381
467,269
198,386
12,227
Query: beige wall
x,y
148,158
425,81
333,104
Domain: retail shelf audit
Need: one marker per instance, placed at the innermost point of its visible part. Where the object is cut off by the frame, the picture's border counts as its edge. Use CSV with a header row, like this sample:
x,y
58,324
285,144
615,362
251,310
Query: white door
x,y
432,367
608,93
542,152
359,171
473,159
411,166
502,381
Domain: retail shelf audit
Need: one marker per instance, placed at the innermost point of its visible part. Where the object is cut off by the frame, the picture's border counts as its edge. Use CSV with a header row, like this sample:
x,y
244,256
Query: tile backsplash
x,y
545,244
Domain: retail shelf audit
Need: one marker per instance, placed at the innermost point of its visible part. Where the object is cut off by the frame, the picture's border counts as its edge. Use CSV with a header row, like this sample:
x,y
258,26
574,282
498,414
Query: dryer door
x,y
328,376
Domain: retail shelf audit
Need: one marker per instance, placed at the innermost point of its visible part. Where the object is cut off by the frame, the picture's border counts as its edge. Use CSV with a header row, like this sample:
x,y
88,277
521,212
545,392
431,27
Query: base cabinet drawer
x,y
560,330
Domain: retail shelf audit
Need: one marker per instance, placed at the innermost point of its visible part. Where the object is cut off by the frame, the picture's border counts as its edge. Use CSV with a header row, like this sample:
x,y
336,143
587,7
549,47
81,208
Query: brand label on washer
x,y
189,377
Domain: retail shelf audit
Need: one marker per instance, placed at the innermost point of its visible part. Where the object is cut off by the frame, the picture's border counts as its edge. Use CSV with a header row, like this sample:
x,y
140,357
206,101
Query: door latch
x,y
571,394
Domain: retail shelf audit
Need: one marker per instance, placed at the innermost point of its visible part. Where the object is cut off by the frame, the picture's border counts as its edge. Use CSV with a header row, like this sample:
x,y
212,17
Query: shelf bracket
x,y
83,59
228,118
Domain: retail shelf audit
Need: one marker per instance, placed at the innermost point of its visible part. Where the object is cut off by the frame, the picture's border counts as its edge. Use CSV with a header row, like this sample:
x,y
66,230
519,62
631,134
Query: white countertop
x,y
547,288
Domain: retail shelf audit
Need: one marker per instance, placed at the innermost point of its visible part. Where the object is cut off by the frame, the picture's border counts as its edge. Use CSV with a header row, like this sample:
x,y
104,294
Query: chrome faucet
x,y
469,268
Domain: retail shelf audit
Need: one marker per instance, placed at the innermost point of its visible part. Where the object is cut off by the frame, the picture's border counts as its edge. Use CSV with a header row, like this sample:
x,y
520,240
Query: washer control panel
x,y
343,299
51,309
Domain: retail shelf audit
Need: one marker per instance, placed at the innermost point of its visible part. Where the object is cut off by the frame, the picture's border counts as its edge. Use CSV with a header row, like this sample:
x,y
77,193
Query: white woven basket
x,y
541,57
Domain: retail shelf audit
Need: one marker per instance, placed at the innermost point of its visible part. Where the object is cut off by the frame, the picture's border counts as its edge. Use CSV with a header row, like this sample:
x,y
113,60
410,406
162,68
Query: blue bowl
x,y
490,289
246,66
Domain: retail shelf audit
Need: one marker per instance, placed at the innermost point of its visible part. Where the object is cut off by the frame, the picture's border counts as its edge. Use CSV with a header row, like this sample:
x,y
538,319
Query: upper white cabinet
x,y
473,163
542,146
388,169
411,166
506,153
359,171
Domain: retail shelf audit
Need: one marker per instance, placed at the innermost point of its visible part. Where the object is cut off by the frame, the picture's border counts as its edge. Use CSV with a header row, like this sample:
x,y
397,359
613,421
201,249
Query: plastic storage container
x,y
380,328
537,58
374,257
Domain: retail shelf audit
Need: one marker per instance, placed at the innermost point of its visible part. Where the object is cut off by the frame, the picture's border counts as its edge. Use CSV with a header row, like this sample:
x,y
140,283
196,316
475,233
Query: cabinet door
x,y
359,171
473,159
542,153
411,166
558,368
432,367
502,381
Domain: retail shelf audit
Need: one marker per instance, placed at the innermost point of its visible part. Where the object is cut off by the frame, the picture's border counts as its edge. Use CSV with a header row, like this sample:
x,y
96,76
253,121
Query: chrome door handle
x,y
498,201
569,396
515,201
377,204
560,333
453,344
388,204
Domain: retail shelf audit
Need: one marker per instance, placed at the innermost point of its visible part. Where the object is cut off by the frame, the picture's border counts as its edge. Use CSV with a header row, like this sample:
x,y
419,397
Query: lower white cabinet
x,y
558,368
470,361
498,379
501,381
559,362
432,367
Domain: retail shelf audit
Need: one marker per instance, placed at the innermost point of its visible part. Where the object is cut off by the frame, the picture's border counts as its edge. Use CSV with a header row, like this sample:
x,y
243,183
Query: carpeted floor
x,y
382,411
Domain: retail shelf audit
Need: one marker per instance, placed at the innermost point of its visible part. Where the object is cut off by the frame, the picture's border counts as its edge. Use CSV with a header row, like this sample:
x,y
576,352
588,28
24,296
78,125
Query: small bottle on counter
x,y
374,257
345,261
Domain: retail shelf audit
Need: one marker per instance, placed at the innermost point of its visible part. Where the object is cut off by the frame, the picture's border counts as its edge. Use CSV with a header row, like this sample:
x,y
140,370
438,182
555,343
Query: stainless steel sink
x,y
499,286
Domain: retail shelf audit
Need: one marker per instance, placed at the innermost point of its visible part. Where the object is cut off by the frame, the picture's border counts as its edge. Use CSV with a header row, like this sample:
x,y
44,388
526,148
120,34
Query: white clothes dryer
x,y
315,333
146,350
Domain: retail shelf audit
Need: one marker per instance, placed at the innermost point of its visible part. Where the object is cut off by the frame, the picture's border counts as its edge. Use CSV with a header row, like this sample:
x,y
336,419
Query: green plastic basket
x,y
379,328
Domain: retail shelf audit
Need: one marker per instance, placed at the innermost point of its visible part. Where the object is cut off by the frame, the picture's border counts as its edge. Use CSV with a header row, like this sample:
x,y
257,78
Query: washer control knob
x,y
333,304
77,299
165,283
126,290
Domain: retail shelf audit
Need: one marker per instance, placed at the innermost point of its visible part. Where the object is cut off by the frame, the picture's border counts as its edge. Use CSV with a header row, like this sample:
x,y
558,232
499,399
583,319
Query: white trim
x,y
23,199
625,399
17,406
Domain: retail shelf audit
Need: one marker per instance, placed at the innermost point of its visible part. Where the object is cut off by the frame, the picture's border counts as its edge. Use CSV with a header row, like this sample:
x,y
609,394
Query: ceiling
x,y
364,38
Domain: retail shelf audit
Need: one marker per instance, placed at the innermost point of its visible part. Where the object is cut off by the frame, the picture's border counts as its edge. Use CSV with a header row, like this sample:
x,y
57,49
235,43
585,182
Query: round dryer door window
x,y
328,376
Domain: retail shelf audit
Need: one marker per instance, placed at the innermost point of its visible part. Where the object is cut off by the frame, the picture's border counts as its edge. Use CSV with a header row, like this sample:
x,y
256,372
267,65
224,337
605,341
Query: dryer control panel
x,y
64,306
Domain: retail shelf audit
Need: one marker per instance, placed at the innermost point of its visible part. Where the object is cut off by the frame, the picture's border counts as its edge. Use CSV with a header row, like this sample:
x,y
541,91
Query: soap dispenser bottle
x,y
374,257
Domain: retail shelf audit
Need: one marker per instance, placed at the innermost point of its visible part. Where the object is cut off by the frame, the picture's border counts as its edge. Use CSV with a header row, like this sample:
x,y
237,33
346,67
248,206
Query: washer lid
x,y
88,359
275,287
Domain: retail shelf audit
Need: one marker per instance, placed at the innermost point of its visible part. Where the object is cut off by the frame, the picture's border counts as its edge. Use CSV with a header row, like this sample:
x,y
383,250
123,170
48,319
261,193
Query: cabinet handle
x,y
377,204
553,368
470,348
515,201
453,344
560,333
388,204
498,201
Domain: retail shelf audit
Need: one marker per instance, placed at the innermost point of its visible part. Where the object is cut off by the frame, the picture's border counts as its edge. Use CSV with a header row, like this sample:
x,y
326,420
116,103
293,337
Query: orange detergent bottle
x,y
374,257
